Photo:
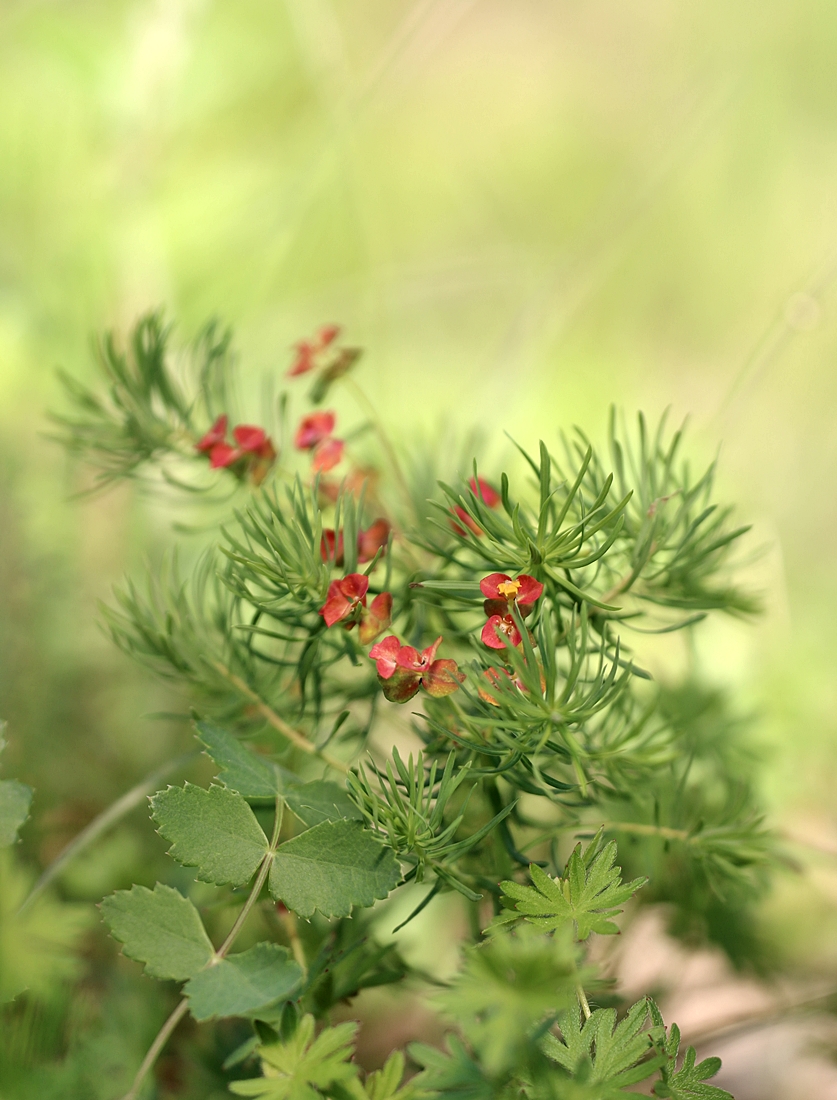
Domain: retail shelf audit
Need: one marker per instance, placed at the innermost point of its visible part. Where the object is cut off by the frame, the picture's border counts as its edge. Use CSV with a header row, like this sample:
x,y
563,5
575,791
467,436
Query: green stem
x,y
103,822
177,1015
641,829
582,1000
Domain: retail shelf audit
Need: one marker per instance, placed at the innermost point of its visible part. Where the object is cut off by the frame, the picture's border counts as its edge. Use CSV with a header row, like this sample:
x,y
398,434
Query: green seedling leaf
x,y
321,801
214,830
615,1055
333,867
15,799
160,928
241,769
242,984
588,895
303,1068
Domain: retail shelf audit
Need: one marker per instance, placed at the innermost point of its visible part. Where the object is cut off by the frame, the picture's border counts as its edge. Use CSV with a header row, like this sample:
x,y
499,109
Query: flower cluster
x,y
322,354
314,434
346,603
487,494
402,670
369,542
502,595
251,452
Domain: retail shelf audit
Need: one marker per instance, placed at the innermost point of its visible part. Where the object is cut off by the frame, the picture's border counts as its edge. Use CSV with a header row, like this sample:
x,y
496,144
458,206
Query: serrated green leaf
x,y
213,830
588,895
240,985
333,867
614,1055
453,1074
688,1082
241,770
160,928
15,799
320,801
303,1068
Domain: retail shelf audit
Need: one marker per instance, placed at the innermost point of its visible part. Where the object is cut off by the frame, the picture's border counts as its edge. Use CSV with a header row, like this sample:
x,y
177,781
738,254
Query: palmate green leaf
x,y
15,799
241,985
320,801
385,1083
452,1074
689,1081
610,1055
241,769
213,830
160,928
303,1068
333,867
589,894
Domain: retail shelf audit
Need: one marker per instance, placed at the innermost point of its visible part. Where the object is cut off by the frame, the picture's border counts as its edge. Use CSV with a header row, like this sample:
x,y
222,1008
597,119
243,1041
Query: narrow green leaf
x,y
243,984
160,928
15,799
214,830
320,801
333,867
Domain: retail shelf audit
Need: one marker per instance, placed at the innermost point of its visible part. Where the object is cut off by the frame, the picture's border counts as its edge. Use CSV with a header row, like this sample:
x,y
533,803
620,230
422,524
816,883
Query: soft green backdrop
x,y
524,211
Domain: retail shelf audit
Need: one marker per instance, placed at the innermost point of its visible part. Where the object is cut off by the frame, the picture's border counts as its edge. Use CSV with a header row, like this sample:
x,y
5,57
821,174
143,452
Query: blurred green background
x,y
523,211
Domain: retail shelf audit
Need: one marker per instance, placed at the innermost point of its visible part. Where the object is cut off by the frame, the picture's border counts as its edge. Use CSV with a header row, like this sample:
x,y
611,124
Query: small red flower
x,y
344,598
216,434
331,546
222,455
327,454
502,593
307,351
487,494
402,670
375,621
314,429
495,676
373,539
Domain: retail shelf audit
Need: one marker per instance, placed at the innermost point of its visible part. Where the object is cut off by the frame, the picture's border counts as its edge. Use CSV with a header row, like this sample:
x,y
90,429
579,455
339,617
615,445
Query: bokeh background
x,y
524,212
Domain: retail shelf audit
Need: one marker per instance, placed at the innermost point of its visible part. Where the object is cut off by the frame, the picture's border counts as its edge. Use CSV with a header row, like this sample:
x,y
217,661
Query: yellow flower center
x,y
508,589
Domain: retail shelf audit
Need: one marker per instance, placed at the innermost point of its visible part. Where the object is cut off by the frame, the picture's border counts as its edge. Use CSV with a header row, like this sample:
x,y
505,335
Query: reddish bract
x,y
402,670
502,594
344,598
373,539
222,454
375,621
216,434
308,350
253,454
487,494
327,455
331,546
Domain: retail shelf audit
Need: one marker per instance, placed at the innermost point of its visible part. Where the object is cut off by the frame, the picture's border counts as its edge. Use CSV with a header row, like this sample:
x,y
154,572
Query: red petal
x,y
337,606
327,454
408,658
487,493
313,429
248,437
442,678
354,586
460,513
373,539
497,628
428,655
216,434
326,335
530,590
304,358
488,585
222,454
401,685
331,546
385,654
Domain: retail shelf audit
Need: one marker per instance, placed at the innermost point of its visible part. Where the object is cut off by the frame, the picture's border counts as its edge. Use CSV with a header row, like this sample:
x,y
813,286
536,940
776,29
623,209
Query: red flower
x,y
344,598
502,594
307,351
327,454
314,429
222,454
216,434
331,546
374,621
494,677
373,539
487,494
402,670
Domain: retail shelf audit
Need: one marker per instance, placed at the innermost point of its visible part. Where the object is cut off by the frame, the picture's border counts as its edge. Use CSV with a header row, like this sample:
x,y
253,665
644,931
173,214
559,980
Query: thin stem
x,y
115,812
156,1048
289,921
174,1019
278,723
645,830
582,1000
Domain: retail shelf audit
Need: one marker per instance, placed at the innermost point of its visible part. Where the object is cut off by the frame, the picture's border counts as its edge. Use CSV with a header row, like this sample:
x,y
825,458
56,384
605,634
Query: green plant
x,y
295,635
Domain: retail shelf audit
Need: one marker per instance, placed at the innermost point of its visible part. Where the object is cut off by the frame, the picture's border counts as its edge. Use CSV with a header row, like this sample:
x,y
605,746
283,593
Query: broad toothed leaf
x,y
333,867
588,895
242,984
214,831
320,801
160,928
241,769
15,799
